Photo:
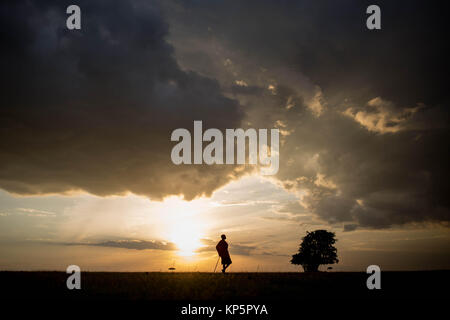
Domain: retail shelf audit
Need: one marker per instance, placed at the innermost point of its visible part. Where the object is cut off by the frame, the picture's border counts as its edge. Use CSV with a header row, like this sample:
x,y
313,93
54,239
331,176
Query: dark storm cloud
x,y
371,148
236,89
375,179
93,109
328,41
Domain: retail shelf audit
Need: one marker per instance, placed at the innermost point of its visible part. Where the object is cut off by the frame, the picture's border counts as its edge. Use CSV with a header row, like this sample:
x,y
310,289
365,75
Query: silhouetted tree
x,y
316,248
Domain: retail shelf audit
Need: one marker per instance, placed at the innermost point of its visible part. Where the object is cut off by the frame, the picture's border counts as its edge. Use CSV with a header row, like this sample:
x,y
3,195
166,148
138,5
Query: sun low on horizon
x,y
184,228
156,235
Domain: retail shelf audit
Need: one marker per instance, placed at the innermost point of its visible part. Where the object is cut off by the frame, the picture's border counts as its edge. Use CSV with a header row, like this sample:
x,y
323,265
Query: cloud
x,y
274,254
381,116
93,110
208,245
292,207
351,174
350,227
366,111
231,203
36,213
131,244
327,41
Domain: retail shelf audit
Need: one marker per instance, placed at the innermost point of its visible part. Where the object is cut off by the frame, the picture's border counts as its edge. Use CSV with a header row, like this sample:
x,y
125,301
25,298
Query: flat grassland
x,y
165,286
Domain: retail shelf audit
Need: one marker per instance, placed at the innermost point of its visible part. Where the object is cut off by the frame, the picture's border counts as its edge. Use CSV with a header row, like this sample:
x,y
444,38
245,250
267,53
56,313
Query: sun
x,y
183,226
186,236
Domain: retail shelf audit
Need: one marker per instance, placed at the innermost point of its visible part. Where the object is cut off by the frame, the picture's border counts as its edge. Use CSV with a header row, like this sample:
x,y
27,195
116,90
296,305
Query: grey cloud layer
x,y
208,245
132,244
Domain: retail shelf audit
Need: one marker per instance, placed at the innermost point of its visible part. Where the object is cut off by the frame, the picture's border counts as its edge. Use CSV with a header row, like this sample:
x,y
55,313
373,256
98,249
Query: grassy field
x,y
157,286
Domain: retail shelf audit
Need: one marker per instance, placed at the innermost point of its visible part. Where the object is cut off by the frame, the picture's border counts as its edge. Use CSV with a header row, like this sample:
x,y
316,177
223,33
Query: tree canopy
x,y
317,248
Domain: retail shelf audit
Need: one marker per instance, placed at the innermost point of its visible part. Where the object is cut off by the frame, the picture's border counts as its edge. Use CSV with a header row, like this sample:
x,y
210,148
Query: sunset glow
x,y
183,227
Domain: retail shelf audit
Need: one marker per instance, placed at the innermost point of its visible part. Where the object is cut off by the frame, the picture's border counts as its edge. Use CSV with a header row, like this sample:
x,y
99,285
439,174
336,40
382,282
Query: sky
x,y
86,116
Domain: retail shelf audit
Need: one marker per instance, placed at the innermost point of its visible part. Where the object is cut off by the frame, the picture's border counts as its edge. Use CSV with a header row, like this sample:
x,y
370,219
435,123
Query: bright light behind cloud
x,y
186,235
182,225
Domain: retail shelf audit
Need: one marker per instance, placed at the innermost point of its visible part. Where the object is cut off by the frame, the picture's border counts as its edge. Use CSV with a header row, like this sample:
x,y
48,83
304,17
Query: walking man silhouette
x,y
222,250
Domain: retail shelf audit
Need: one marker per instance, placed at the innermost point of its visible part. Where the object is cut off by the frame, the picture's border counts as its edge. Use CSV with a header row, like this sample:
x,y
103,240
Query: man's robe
x,y
222,250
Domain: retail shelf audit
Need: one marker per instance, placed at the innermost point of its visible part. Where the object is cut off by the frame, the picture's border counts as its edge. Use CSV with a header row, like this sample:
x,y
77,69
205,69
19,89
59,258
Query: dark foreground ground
x,y
324,295
157,286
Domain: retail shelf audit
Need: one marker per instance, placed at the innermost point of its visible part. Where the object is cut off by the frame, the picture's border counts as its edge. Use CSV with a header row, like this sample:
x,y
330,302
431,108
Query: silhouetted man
x,y
222,250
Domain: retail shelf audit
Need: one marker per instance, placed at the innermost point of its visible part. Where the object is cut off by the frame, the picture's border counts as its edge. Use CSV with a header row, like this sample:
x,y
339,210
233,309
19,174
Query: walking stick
x,y
216,264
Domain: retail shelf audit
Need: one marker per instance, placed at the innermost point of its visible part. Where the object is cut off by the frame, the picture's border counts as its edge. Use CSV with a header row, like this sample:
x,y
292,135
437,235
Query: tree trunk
x,y
311,267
